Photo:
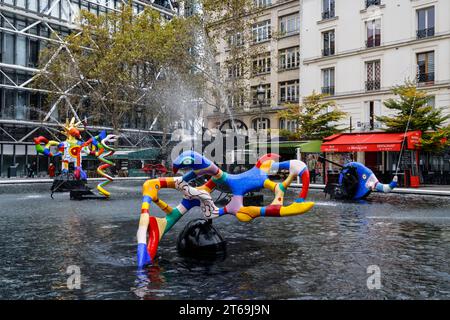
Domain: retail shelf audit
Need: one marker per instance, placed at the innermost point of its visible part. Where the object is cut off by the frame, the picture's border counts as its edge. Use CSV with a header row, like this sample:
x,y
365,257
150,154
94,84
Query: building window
x,y
44,5
261,124
425,67
235,40
33,53
262,3
235,100
261,64
328,9
328,43
289,24
235,71
431,102
328,81
33,5
289,91
373,28
261,31
373,75
9,104
373,110
8,48
21,51
21,106
289,125
289,58
21,3
372,3
267,93
425,22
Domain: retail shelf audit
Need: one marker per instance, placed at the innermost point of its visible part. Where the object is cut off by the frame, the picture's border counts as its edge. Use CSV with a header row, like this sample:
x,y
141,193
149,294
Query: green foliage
x,y
424,117
114,61
315,118
436,141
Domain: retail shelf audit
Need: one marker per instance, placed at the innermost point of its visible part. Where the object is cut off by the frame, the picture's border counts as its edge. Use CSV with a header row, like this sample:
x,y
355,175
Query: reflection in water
x,y
322,254
148,280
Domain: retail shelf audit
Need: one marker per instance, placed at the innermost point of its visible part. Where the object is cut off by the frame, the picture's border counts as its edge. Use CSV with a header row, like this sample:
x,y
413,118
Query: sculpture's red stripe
x,y
210,184
305,184
144,211
153,238
273,210
163,182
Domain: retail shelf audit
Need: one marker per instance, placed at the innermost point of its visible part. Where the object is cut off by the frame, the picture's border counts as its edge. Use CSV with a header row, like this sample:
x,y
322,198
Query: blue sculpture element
x,y
356,182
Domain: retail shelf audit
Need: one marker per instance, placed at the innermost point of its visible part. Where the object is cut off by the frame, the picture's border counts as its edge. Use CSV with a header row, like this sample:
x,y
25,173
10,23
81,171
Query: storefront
x,y
380,151
14,158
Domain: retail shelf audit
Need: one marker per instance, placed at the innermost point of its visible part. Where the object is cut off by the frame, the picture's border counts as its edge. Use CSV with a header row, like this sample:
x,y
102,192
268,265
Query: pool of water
x,y
322,254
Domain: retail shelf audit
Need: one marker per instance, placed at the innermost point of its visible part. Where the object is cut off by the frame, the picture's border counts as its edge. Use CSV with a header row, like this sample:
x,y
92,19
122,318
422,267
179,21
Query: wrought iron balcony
x,y
425,77
372,3
425,33
265,104
372,85
328,52
328,90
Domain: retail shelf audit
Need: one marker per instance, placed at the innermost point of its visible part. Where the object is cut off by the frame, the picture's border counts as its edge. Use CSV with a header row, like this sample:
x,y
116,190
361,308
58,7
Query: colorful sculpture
x,y
73,147
356,182
239,184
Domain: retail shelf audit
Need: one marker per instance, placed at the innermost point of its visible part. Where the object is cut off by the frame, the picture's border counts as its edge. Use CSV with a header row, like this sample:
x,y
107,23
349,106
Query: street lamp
x,y
260,95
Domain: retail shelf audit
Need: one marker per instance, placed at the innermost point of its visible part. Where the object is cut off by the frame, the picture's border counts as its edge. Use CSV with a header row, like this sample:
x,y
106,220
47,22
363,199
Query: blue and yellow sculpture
x,y
151,229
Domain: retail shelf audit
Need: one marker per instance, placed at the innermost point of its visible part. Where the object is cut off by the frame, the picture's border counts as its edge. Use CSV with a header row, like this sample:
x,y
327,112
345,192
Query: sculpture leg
x,y
65,166
155,227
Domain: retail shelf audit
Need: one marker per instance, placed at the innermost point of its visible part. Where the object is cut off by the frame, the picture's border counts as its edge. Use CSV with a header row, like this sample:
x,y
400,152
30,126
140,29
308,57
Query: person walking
x,y
29,170
51,170
33,169
312,163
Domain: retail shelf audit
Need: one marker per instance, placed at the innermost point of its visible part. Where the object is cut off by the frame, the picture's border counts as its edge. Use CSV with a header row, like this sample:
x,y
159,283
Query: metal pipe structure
x,y
59,16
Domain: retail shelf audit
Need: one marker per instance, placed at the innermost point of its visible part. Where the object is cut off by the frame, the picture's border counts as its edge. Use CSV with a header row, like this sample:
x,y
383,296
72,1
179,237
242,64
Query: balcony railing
x,y
328,90
425,77
288,66
372,3
372,43
328,52
328,14
265,104
425,33
372,85
289,100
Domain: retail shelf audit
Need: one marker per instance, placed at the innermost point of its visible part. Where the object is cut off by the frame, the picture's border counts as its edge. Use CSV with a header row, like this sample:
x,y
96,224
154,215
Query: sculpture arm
x,y
43,145
386,188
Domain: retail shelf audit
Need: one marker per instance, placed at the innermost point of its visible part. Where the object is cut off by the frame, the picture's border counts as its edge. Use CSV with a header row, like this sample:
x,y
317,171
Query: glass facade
x,y
22,36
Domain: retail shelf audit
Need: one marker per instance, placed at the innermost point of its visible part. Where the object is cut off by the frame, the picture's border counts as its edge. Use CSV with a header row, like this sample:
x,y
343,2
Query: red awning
x,y
370,142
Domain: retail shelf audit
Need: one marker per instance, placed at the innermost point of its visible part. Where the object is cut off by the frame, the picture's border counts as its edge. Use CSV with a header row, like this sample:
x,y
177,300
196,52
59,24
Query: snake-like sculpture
x,y
73,147
154,228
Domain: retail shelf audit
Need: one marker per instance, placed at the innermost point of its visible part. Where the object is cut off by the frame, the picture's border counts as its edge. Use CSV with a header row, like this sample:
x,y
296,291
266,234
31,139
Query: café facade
x,y
384,153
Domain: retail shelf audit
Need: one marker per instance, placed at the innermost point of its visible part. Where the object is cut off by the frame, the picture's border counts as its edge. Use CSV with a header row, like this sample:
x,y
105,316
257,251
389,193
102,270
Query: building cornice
x,y
251,112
